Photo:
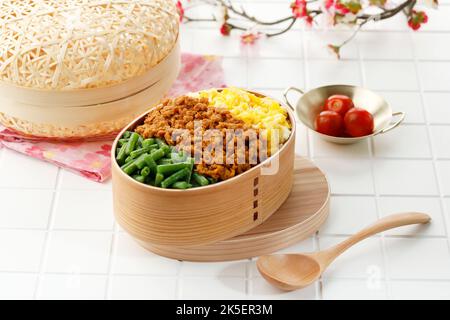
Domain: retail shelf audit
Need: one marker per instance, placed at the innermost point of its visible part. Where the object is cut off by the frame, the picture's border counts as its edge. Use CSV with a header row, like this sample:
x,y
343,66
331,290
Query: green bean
x,y
130,168
139,178
121,155
181,185
163,146
121,142
170,168
148,142
177,176
201,180
140,161
190,162
158,179
160,142
140,141
177,157
157,154
150,163
211,180
164,161
131,145
145,172
128,159
136,153
150,181
126,134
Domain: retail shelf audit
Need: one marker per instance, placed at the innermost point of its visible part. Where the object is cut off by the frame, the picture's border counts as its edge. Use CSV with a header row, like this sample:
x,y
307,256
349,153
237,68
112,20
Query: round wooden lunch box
x,y
73,69
206,215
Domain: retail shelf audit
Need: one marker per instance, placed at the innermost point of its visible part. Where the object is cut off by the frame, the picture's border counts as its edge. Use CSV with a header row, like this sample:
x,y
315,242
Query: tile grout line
x,y
178,281
112,252
318,286
432,149
44,254
375,195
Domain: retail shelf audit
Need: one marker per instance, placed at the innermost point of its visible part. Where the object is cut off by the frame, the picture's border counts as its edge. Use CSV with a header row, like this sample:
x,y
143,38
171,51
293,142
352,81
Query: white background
x,y
58,238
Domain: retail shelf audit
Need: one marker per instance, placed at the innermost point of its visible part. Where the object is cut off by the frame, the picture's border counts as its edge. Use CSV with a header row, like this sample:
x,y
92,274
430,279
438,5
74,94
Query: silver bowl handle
x,y
285,93
395,124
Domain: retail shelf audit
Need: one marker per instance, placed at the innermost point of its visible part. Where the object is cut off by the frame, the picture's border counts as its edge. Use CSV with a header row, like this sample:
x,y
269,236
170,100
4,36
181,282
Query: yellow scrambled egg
x,y
262,113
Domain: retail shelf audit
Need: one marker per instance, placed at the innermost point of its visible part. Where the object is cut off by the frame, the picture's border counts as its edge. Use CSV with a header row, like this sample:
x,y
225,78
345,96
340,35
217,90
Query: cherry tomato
x,y
339,103
330,123
358,122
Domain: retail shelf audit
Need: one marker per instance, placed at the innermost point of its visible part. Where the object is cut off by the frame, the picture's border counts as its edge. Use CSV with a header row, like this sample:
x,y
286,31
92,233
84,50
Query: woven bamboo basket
x,y
205,215
81,69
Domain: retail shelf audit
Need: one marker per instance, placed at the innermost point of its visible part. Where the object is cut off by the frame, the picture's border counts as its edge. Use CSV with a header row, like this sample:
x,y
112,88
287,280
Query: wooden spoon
x,y
295,271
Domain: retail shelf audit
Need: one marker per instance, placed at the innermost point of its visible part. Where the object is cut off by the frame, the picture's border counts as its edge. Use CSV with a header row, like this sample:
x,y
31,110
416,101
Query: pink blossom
x,y
329,4
249,37
106,150
299,9
35,152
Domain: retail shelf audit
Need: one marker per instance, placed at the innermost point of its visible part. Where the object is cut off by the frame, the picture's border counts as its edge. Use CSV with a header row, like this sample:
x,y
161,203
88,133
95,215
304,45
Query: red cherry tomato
x,y
339,103
330,123
358,122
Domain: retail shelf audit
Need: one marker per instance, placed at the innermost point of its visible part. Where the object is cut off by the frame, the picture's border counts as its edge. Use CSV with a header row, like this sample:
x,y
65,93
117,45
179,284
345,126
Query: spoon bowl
x,y
299,270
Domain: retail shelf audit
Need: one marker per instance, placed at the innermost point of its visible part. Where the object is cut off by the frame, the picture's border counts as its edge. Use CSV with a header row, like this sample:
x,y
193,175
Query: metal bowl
x,y
310,105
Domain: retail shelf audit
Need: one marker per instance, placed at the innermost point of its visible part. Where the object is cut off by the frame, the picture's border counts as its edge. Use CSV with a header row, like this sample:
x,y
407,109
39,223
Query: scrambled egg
x,y
261,113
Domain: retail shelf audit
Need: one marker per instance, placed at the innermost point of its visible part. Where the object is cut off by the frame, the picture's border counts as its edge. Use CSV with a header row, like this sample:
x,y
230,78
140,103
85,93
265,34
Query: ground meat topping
x,y
181,113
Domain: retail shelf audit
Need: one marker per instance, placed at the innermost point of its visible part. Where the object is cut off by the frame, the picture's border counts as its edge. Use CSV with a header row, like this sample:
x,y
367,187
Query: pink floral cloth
x,y
92,159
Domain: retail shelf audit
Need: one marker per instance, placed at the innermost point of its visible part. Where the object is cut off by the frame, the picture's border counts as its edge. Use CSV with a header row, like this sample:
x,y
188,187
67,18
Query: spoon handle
x,y
386,223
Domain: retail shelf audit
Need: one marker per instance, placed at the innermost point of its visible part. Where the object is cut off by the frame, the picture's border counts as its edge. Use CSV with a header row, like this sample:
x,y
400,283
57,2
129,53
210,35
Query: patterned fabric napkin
x,y
92,159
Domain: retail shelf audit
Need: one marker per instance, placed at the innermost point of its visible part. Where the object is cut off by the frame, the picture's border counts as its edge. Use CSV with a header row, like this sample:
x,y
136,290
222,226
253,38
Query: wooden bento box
x,y
76,69
208,214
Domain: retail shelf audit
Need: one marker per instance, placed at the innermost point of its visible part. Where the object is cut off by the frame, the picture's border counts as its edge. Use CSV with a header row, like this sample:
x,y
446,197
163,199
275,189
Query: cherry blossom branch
x,y
349,12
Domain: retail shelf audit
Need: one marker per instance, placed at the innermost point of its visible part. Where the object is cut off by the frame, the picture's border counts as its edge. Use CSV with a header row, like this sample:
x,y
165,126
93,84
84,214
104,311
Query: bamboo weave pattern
x,y
78,44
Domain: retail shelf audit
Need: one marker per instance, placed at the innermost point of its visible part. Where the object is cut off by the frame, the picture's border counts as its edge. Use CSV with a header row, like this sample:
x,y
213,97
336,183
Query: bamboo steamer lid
x,y
70,53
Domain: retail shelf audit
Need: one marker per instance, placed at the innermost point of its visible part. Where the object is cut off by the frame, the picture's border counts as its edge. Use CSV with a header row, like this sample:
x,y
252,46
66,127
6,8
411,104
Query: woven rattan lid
x,y
77,44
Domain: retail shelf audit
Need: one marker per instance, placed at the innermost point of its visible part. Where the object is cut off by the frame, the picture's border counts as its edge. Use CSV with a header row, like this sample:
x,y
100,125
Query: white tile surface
x,y
20,250
431,46
408,102
72,181
349,215
389,75
284,73
142,288
79,260
430,206
426,258
393,177
437,105
322,148
261,289
347,177
78,252
19,171
25,209
322,72
343,289
72,287
440,138
131,258
363,260
316,45
394,45
443,169
420,290
435,75
397,143
83,209
213,288
17,286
